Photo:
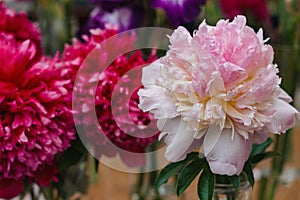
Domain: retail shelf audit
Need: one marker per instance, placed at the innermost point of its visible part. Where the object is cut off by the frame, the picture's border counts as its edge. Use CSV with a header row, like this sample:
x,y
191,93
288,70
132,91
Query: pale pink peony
x,y
218,90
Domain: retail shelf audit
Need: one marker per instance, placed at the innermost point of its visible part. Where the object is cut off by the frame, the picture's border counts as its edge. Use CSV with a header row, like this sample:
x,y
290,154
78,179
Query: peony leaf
x,y
235,180
222,179
262,156
259,148
249,172
206,185
71,156
188,174
173,169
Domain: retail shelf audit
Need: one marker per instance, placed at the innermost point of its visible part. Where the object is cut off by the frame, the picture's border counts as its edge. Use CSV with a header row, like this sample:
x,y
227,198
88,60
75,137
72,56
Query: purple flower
x,y
179,11
124,18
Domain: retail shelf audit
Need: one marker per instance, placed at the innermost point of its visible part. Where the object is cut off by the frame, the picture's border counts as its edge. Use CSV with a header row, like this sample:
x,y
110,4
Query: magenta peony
x,y
218,90
35,107
21,29
35,122
132,119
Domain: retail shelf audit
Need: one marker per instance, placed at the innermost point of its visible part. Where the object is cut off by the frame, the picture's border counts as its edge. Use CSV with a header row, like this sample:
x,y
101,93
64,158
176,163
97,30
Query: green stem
x,y
152,174
32,193
139,185
288,60
68,19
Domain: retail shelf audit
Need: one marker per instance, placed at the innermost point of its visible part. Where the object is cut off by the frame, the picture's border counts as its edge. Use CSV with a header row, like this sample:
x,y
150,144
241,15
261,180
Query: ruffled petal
x,y
151,73
158,102
10,188
229,154
179,139
284,118
211,138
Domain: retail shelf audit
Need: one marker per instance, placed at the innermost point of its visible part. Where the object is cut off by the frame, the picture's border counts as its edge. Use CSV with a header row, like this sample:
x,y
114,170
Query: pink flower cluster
x,y
35,107
219,90
132,119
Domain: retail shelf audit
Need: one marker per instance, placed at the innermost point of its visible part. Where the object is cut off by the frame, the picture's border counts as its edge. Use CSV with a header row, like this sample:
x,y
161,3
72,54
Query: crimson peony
x,y
35,106
73,59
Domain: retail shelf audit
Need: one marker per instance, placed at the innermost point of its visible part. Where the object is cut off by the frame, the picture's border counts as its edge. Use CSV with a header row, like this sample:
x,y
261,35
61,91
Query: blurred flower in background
x,y
73,57
124,15
256,8
179,12
21,29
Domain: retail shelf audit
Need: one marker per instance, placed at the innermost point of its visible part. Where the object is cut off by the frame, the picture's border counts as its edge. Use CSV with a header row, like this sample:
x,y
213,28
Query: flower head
x,y
258,8
35,106
217,89
179,11
35,120
132,119
123,14
21,29
125,18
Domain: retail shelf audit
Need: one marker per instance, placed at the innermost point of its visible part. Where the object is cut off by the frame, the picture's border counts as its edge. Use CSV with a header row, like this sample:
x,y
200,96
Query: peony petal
x,y
158,102
284,96
10,188
46,173
211,138
261,136
151,73
284,118
229,155
180,140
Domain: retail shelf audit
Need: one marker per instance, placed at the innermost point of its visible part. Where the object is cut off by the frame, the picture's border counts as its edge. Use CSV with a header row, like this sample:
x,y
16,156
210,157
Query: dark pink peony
x,y
35,121
73,57
19,26
35,106
45,173
258,9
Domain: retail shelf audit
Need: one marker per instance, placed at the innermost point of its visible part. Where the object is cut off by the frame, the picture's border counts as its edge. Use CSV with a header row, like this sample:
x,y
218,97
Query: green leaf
x,y
249,172
96,165
262,156
70,157
173,169
188,174
259,148
222,179
235,180
206,185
